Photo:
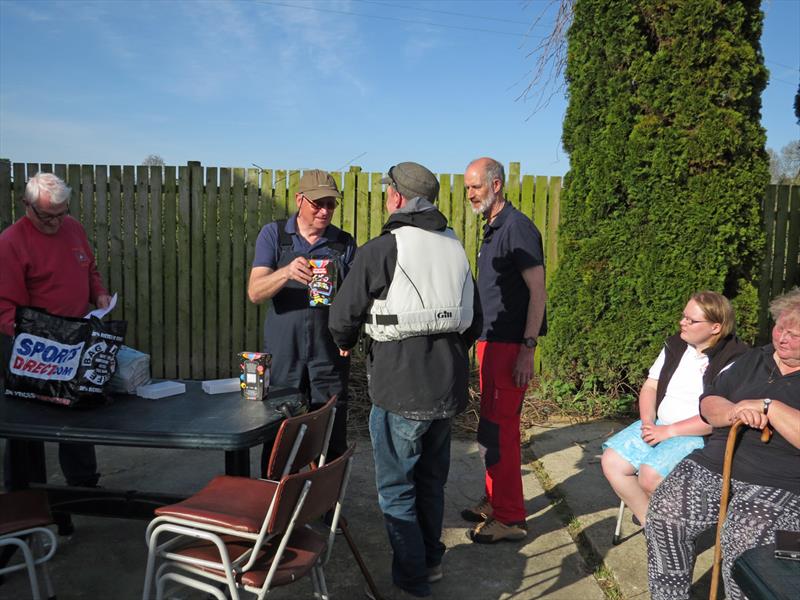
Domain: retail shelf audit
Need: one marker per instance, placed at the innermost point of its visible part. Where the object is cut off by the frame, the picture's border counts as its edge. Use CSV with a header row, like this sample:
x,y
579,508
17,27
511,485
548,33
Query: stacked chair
x,y
249,535
24,518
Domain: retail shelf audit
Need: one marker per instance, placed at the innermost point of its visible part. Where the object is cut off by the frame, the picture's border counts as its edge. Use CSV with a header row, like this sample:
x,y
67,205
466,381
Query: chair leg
x,y
618,529
48,583
323,588
30,565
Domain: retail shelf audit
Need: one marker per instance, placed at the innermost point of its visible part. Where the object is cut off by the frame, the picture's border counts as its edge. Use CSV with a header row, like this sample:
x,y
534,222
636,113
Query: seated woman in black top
x,y
761,388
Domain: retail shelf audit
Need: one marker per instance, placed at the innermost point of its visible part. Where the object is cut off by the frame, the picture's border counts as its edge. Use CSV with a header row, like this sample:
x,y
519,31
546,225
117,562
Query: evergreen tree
x,y
668,168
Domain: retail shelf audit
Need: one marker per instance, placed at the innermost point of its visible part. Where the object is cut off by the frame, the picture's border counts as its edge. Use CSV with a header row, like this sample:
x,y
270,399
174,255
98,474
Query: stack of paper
x,y
162,389
133,371
221,386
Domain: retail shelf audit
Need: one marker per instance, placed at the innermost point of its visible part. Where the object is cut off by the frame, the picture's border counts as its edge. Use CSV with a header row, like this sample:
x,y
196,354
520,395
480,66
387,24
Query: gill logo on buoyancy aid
x,y
431,289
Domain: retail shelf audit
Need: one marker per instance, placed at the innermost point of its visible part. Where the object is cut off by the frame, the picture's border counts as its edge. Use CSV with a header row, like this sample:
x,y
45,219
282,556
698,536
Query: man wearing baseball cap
x,y
304,355
413,291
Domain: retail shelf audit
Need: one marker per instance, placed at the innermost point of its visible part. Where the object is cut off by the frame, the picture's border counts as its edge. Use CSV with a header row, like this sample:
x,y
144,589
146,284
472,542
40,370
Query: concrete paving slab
x,y
570,454
105,558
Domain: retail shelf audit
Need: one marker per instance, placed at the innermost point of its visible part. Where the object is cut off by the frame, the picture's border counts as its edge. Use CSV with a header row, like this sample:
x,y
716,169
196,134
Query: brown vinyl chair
x,y
285,549
24,518
239,506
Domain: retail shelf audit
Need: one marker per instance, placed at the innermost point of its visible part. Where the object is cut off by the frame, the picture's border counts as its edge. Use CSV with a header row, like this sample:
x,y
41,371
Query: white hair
x,y
58,191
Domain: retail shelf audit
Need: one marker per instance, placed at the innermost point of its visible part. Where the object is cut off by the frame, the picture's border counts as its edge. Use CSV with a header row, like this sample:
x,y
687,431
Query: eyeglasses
x,y
318,205
691,321
46,217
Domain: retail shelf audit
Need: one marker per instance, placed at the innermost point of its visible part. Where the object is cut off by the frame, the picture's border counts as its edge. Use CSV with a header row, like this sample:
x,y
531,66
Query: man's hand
x,y
653,434
103,301
523,368
343,352
299,270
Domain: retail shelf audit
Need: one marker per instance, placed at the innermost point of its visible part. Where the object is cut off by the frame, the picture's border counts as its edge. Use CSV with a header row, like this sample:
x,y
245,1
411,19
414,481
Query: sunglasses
x,y
323,203
46,217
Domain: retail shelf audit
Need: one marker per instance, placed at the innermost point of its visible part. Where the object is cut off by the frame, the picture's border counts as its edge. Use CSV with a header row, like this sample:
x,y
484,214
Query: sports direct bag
x,y
62,360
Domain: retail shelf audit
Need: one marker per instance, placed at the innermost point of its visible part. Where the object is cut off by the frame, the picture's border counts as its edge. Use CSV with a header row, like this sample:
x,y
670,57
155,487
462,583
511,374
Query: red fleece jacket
x,y
54,272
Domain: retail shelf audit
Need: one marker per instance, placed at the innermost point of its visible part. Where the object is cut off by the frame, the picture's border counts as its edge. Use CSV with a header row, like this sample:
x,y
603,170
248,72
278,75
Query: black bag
x,y
62,360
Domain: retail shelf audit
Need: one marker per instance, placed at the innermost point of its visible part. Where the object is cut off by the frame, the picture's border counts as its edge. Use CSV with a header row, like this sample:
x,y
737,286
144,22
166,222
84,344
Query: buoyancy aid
x,y
431,289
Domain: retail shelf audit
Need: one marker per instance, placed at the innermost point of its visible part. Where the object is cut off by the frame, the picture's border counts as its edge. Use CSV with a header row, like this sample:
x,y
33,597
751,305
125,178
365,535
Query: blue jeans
x,y
412,461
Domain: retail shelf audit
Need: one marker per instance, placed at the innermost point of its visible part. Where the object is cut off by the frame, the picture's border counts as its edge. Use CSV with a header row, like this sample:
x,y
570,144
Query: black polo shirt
x,y
511,244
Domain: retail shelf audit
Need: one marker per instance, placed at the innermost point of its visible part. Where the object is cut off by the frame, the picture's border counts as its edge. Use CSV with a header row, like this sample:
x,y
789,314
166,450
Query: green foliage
x,y
667,171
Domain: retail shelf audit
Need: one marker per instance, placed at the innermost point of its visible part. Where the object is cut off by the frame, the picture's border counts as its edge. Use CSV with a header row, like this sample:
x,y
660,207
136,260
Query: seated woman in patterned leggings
x,y
761,388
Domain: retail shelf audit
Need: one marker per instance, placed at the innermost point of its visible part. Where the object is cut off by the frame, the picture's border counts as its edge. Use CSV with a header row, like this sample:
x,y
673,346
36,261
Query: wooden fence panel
x,y
224,276
210,280
349,203
237,265
551,233
102,232
143,292
157,273
129,254
362,208
252,228
265,215
115,264
184,257
170,262
88,203
512,187
18,170
6,199
445,191
197,367
792,253
779,247
376,206
73,181
337,216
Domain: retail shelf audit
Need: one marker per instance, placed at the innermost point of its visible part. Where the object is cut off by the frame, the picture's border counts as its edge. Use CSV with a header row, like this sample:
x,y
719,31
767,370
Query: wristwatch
x,y
529,342
767,402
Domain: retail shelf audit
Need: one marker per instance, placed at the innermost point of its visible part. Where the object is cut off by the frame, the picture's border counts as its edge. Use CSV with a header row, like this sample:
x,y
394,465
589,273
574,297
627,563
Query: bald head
x,y
484,179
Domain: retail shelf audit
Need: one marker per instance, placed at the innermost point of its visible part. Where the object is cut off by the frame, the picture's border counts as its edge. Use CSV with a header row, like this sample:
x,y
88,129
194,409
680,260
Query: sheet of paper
x,y
102,312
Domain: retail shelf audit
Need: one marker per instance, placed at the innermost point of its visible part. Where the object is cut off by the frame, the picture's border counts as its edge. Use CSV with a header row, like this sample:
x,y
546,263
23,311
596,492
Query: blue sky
x,y
300,84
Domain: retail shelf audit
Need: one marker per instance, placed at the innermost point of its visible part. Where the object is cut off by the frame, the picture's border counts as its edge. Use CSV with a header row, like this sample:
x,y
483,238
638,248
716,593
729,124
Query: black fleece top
x,y
421,377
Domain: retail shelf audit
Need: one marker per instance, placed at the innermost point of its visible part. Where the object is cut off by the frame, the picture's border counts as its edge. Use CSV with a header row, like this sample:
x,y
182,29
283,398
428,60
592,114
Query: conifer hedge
x,y
668,167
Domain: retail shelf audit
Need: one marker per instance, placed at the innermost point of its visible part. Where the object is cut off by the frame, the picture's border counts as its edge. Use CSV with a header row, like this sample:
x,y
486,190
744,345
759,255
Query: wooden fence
x,y
176,243
780,270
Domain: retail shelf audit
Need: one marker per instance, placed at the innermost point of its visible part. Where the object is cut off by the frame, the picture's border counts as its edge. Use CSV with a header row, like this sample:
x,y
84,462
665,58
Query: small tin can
x,y
254,377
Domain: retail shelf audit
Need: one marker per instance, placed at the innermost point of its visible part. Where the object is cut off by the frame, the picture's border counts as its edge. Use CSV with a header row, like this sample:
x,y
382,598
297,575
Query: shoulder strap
x,y
284,239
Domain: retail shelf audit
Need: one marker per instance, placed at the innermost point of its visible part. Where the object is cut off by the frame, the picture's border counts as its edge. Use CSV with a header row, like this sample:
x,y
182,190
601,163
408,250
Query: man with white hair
x,y
512,289
48,263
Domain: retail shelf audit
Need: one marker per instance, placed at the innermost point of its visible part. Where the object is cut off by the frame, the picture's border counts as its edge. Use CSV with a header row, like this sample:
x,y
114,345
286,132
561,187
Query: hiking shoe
x,y
492,531
478,513
435,573
393,593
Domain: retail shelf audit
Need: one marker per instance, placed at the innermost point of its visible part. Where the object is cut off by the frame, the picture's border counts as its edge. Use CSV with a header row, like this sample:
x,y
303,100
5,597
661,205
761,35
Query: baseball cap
x,y
412,180
316,184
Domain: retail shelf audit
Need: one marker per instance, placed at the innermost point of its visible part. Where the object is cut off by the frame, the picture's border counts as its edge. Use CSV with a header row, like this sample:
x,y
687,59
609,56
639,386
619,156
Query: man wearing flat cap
x,y
304,356
412,290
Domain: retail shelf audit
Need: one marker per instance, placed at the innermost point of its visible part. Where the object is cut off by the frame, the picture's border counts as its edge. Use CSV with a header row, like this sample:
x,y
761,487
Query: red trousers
x,y
498,429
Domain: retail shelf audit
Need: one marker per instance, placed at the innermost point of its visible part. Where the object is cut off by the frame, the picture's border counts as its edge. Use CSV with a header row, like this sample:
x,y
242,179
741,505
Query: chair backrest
x,y
325,486
301,440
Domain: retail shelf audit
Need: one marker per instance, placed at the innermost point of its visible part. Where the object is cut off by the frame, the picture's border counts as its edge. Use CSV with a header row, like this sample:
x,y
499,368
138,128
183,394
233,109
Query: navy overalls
x,y
304,355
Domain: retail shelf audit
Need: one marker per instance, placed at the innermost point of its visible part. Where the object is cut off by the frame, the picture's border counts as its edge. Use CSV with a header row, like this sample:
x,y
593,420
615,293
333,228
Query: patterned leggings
x,y
686,504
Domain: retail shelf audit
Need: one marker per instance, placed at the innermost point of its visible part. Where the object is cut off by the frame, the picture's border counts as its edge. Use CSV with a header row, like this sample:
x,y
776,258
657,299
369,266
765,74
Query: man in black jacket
x,y
413,290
